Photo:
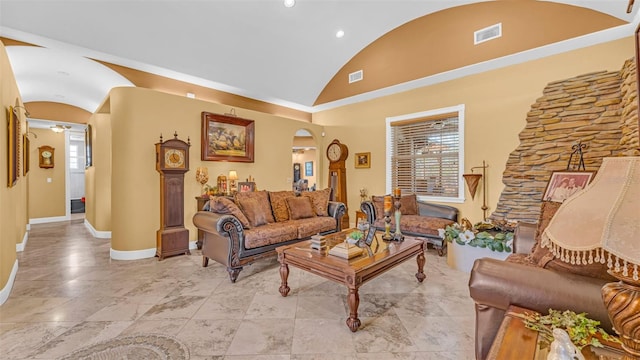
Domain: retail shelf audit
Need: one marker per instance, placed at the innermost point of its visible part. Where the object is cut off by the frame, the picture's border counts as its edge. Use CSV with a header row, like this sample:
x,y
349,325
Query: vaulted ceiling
x,y
262,55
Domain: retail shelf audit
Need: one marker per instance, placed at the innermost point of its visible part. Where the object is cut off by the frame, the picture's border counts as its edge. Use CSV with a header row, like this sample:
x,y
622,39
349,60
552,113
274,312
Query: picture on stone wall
x,y
564,184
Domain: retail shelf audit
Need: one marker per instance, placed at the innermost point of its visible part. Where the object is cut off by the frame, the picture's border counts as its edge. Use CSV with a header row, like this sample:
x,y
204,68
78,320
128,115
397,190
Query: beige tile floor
x,y
68,294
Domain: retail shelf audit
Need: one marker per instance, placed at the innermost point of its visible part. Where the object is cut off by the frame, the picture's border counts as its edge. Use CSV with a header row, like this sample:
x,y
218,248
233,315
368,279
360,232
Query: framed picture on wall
x,y
363,160
308,168
88,144
227,138
26,147
563,184
13,144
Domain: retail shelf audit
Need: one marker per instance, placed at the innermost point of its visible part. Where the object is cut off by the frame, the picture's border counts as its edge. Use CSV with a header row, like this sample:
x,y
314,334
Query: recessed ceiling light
x,y
339,34
289,3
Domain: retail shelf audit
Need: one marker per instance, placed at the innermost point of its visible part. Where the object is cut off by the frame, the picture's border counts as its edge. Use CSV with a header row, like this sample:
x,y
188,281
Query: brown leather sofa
x,y
496,284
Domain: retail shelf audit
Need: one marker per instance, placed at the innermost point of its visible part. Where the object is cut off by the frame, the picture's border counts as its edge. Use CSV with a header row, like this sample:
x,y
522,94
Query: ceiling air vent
x,y
488,33
355,76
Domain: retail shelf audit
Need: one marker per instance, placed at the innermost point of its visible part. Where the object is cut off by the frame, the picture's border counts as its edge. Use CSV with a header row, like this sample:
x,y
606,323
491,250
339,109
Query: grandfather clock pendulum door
x,y
337,153
172,162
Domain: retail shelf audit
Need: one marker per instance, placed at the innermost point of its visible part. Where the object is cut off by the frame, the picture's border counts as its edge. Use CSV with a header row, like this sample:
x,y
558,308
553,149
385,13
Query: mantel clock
x,y
172,162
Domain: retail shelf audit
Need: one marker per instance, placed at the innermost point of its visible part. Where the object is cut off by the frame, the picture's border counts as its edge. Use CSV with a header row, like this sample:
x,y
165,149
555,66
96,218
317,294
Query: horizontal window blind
x,y
424,156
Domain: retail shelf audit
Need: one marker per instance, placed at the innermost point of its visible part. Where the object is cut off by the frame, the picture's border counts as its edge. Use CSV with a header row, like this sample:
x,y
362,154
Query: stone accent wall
x,y
599,109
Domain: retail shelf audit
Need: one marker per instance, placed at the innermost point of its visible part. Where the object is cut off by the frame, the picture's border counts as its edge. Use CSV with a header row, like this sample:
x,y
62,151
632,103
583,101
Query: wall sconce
x,y
472,181
233,176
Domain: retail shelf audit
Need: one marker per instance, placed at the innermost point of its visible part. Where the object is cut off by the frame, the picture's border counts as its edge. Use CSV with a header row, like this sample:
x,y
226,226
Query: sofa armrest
x,y
437,210
496,284
337,210
524,238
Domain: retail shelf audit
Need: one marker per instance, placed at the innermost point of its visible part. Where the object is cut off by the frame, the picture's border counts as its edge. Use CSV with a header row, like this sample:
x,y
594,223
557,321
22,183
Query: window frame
x,y
460,110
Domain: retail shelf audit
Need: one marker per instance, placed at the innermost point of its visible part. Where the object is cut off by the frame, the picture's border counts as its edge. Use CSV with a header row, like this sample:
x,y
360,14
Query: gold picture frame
x,y
26,148
13,145
363,160
227,138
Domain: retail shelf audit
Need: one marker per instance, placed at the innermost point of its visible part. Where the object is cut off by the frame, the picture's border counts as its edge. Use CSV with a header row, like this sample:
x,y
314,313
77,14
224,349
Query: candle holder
x,y
397,236
387,226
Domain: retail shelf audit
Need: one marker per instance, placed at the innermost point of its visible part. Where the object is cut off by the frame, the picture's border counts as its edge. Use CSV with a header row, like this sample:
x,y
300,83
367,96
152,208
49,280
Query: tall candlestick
x,y
387,203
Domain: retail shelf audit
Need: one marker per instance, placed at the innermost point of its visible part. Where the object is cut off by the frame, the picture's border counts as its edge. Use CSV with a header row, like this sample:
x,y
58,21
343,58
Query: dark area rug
x,y
147,346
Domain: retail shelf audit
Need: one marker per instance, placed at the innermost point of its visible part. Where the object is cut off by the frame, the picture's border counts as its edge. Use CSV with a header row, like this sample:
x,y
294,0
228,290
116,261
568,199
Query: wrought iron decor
x,y
576,163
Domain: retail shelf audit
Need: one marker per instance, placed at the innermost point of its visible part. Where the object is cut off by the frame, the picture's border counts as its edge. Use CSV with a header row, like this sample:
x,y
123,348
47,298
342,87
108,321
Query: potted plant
x,y
483,235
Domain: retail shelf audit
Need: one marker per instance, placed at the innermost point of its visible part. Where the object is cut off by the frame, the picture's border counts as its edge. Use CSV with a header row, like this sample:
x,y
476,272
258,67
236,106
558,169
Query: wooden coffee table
x,y
515,341
351,273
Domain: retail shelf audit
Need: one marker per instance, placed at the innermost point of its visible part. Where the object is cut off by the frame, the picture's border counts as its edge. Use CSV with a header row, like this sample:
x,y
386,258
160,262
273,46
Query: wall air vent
x,y
355,76
488,33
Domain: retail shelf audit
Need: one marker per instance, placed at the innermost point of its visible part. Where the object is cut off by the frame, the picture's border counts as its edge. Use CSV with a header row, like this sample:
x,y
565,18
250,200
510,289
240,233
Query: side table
x,y
516,342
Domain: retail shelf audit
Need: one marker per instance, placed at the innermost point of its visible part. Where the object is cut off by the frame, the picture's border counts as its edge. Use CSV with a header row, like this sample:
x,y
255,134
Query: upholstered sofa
x,y
531,278
419,218
239,231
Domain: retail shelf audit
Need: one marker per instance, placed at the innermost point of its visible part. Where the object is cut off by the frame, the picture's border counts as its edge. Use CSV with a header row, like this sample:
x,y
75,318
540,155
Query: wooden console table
x,y
515,342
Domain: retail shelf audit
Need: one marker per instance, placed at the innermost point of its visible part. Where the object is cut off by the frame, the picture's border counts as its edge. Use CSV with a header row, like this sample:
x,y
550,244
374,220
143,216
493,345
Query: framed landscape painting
x,y
227,138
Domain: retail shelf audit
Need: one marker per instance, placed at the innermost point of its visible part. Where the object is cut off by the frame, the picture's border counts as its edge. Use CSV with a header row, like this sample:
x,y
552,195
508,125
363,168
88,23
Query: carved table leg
x,y
354,301
284,275
205,261
421,260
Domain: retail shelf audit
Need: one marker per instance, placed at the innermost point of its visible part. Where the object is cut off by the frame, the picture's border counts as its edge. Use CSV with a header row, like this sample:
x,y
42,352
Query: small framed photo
x,y
308,168
563,184
363,160
246,186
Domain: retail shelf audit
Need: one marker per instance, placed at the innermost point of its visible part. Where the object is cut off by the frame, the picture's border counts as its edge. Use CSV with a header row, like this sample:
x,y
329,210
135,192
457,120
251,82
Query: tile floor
x,y
68,294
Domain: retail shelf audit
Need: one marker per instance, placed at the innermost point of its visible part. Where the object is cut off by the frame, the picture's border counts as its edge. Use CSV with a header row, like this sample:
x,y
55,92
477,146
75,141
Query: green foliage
x,y
356,235
489,237
580,328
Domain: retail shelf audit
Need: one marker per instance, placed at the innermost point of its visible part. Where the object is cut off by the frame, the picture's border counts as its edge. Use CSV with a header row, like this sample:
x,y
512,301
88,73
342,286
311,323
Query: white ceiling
x,y
258,49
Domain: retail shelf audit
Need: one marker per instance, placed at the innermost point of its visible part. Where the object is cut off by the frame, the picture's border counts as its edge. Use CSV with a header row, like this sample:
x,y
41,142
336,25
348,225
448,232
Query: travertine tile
x,y
68,294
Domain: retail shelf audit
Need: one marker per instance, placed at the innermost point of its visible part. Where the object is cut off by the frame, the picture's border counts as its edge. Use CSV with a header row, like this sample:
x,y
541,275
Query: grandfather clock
x,y
337,153
172,161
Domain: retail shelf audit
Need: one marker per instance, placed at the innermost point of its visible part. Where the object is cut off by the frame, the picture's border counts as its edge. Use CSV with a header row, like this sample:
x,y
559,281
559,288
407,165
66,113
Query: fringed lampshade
x,y
601,223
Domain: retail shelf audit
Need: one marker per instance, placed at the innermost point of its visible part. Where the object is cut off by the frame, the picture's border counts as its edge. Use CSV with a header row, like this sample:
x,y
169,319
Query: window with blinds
x,y
425,154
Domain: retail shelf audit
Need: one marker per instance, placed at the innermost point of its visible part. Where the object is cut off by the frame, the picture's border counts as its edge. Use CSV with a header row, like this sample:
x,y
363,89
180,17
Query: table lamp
x,y
601,223
233,176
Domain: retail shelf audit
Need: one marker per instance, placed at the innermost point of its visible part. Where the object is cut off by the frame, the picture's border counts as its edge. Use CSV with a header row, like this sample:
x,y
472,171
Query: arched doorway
x,y
304,161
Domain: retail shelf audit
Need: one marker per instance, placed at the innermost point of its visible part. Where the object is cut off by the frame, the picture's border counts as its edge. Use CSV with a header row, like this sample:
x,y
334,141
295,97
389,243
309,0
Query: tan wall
x,y
138,117
98,176
47,199
13,201
496,103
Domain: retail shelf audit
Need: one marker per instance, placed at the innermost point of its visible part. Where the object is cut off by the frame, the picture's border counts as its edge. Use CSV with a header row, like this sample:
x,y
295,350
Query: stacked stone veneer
x,y
599,109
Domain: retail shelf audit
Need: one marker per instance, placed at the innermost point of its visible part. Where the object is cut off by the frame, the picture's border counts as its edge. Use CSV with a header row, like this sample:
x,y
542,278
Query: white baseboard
x,y
20,247
96,233
28,227
49,219
6,290
132,255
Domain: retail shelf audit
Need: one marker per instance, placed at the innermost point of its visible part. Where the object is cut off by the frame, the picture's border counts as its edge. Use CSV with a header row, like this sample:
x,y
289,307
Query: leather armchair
x,y
496,284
